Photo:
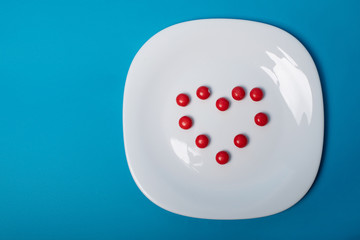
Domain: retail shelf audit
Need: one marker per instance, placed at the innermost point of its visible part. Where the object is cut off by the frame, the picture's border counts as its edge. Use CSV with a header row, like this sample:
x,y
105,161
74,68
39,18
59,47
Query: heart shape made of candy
x,y
222,104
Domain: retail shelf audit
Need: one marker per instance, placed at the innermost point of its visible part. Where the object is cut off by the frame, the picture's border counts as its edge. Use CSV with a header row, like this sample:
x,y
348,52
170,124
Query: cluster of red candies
x,y
222,104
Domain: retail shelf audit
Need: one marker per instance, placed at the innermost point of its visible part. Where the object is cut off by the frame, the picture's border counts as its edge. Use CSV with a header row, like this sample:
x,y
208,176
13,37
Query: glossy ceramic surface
x,y
281,159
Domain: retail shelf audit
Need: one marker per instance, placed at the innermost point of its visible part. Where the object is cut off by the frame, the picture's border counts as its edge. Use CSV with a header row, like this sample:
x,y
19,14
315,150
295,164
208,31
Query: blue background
x,y
63,171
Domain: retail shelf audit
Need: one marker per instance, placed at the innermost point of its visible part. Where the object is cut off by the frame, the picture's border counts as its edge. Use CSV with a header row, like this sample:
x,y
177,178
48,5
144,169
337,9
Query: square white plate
x,y
281,160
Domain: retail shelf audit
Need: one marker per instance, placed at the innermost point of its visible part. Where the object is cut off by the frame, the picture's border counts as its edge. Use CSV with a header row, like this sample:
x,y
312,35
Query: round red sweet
x,y
261,119
240,140
203,92
182,99
185,122
238,93
222,104
202,141
256,94
222,157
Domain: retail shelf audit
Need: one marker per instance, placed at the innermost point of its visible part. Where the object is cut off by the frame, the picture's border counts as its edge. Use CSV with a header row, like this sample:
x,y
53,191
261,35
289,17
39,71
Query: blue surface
x,y
63,172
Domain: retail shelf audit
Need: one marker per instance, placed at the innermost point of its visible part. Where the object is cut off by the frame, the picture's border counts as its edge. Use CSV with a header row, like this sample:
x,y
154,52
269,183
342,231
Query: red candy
x,y
238,93
182,100
222,157
222,104
202,141
240,140
256,94
261,119
185,122
203,92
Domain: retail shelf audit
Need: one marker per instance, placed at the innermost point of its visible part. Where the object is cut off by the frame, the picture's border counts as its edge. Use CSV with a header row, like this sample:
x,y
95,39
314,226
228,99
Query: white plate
x,y
280,163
